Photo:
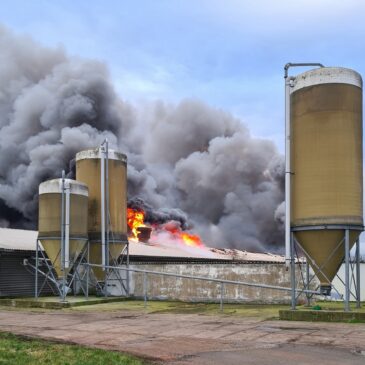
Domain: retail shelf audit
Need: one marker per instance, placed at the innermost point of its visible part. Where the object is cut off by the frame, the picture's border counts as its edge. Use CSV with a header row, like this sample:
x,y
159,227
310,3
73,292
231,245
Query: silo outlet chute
x,y
109,212
326,166
60,222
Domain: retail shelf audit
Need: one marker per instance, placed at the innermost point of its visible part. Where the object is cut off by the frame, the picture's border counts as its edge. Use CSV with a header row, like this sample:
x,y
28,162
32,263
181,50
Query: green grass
x,y
15,350
333,306
244,310
262,311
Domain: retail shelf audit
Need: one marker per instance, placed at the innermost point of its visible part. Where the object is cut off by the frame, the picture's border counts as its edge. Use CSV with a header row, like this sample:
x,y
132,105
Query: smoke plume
x,y
190,163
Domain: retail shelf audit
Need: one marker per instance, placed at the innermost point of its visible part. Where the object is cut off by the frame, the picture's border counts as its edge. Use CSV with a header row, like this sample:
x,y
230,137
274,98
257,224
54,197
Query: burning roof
x,y
17,239
159,233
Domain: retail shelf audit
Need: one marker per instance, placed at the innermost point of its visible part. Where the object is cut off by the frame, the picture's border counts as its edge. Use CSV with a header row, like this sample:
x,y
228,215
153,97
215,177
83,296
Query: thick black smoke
x,y
191,163
159,216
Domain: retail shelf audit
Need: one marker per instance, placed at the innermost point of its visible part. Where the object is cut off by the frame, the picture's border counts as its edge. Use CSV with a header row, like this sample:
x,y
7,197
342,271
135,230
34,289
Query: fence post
x,y
36,271
222,294
145,288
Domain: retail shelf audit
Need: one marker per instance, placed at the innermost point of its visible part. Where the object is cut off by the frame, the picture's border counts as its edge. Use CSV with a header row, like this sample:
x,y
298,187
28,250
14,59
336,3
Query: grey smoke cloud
x,y
189,162
51,106
236,186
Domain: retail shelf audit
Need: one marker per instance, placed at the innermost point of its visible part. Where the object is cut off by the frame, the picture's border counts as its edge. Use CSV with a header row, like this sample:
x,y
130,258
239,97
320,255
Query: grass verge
x,y
19,350
324,311
263,311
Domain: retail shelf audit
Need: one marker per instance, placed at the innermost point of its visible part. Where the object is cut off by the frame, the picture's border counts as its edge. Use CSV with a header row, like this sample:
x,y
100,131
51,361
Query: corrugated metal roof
x,y
18,239
170,250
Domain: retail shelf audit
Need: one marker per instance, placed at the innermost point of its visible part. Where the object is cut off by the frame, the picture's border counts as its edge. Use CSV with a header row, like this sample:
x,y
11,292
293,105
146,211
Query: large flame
x,y
135,220
188,239
191,239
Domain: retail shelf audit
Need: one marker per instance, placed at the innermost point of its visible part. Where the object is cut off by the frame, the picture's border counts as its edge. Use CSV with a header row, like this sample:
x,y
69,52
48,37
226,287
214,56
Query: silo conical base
x,y
52,248
325,252
115,250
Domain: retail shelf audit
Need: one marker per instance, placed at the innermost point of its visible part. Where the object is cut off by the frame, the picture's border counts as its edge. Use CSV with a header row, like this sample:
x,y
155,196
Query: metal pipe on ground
x,y
256,285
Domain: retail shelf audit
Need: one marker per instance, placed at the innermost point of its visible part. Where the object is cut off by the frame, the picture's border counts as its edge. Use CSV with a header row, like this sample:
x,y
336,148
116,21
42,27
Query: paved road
x,y
185,339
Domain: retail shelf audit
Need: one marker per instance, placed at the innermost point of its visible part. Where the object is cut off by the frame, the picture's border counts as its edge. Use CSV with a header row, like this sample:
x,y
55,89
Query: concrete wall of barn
x,y
339,283
162,287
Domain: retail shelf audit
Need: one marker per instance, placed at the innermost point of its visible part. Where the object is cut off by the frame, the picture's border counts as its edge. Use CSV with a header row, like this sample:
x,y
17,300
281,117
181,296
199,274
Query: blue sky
x,y
229,54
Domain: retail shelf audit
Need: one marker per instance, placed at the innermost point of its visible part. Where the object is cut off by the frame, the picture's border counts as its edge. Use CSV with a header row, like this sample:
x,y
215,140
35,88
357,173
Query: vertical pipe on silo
x,y
102,184
67,226
107,201
63,241
63,221
288,82
287,172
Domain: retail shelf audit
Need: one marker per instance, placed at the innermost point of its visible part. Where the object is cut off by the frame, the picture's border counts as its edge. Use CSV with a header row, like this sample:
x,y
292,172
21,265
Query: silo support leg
x,y
358,299
36,271
307,279
88,270
347,270
292,272
127,272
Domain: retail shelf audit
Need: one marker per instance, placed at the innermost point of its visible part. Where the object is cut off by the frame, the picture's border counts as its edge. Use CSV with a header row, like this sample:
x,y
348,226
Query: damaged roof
x,y
19,239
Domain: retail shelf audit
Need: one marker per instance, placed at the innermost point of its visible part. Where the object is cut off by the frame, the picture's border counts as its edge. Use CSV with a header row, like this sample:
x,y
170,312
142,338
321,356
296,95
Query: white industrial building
x,y
17,279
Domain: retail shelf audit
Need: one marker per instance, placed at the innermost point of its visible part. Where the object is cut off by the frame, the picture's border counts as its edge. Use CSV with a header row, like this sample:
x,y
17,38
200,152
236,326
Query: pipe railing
x,y
222,282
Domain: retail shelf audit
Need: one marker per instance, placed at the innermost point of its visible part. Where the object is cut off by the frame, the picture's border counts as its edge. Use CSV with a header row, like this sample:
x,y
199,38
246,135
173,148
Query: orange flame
x,y
188,239
135,219
192,240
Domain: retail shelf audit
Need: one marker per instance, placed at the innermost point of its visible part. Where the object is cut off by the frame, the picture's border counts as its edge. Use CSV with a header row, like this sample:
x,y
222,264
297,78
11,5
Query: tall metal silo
x,y
326,166
111,208
72,215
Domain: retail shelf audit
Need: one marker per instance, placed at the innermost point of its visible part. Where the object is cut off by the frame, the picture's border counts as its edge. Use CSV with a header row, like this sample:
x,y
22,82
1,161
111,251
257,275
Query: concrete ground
x,y
195,338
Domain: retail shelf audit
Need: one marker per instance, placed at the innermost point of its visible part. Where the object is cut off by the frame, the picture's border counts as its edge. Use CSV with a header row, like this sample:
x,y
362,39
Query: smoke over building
x,y
190,163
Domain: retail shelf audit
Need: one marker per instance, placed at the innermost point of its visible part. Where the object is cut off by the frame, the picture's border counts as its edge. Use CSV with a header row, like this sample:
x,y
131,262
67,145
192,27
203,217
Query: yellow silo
x,y
88,170
50,221
326,165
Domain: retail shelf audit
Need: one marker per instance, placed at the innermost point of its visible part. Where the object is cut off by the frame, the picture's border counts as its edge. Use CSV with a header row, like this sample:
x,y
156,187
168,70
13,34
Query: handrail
x,y
244,283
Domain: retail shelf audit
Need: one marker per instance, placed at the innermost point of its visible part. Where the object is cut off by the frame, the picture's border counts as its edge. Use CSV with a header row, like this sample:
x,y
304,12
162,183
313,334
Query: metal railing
x,y
222,282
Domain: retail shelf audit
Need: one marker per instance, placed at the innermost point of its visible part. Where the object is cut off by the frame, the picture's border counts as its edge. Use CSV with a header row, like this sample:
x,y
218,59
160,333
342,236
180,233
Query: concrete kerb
x,y
321,316
53,304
